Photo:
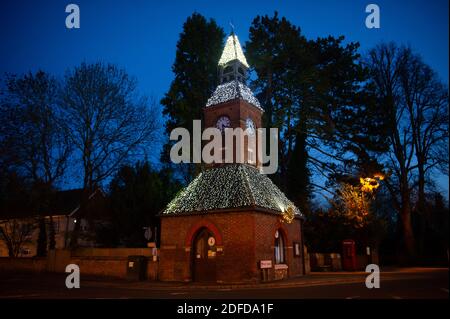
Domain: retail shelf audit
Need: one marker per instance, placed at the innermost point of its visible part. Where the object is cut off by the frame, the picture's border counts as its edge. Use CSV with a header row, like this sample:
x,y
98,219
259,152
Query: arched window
x,y
279,248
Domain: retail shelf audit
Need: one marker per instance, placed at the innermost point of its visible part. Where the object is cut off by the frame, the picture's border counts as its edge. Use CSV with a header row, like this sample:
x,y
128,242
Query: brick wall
x,y
113,252
101,266
266,227
233,262
110,266
238,111
33,264
247,237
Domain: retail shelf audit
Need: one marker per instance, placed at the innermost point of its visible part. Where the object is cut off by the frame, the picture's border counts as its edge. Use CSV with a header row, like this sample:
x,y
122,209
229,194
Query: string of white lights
x,y
232,51
230,91
230,186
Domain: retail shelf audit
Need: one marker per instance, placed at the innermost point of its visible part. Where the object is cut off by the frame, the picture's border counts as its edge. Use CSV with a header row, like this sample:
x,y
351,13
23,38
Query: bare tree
x,y
34,137
16,233
33,133
416,103
386,62
109,122
426,102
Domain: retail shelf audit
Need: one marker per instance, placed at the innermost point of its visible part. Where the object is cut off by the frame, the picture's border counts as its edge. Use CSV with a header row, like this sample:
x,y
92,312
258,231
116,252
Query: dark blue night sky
x,y
141,36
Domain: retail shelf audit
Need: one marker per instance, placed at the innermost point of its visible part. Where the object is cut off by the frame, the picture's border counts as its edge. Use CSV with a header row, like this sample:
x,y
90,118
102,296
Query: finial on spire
x,y
232,27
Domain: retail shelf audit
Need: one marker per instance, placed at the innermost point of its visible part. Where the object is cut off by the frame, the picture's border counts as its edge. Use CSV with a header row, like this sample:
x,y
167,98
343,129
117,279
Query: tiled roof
x,y
229,186
232,51
230,91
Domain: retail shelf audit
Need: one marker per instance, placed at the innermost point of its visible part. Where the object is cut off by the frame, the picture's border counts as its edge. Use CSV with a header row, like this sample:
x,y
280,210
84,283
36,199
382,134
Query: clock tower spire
x,y
233,104
233,64
231,213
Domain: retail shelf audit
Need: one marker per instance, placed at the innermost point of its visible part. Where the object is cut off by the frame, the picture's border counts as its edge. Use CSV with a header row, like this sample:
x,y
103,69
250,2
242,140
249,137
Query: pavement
x,y
395,283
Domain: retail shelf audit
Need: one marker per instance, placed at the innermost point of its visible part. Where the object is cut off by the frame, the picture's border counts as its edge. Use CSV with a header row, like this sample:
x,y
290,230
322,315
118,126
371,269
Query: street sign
x,y
148,233
264,264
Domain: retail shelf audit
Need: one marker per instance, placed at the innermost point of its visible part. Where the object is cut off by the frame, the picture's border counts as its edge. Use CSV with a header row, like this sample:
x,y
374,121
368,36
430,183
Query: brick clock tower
x,y
231,223
232,104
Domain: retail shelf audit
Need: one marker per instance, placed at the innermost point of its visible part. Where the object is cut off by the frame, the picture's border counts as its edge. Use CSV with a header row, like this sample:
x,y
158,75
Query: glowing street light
x,y
369,184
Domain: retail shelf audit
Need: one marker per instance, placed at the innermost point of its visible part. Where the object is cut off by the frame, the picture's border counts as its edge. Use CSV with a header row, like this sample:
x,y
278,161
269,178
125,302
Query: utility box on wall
x,y
137,268
349,255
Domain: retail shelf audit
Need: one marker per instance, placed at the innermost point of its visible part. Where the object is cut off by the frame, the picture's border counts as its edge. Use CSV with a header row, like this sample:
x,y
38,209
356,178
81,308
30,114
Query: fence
x,y
333,262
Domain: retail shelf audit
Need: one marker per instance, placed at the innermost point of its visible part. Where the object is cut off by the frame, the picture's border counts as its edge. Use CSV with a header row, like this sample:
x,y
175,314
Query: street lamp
x,y
370,184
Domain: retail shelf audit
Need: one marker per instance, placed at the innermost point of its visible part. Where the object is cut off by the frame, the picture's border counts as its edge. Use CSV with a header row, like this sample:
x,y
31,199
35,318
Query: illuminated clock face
x,y
250,126
223,122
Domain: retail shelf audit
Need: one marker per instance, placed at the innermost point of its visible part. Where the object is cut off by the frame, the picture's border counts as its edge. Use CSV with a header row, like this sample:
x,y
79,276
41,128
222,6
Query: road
x,y
402,284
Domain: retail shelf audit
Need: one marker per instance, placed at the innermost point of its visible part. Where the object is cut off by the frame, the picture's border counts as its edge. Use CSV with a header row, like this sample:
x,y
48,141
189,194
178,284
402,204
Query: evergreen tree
x,y
137,195
314,92
299,186
195,69
279,55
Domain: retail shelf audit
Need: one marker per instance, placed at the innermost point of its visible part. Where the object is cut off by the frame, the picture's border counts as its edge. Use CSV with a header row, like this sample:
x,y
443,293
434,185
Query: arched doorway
x,y
204,256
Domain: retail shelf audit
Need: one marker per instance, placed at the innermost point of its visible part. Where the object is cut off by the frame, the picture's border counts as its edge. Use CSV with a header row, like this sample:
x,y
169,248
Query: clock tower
x,y
231,223
233,104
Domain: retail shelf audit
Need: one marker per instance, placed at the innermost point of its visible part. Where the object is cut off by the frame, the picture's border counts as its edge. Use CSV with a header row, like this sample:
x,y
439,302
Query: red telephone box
x,y
349,255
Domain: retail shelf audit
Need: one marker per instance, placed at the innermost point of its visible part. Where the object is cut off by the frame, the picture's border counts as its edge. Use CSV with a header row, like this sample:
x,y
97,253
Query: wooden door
x,y
204,257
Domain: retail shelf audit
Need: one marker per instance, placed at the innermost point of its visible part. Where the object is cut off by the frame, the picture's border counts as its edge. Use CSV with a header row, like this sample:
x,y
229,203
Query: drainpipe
x,y
303,247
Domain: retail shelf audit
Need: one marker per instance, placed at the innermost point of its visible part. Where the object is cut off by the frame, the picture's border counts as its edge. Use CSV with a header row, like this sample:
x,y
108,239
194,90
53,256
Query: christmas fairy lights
x,y
230,91
230,186
232,51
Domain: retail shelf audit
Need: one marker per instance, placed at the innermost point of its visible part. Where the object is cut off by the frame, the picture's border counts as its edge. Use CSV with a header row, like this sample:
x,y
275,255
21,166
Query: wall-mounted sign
x,y
211,241
264,264
281,266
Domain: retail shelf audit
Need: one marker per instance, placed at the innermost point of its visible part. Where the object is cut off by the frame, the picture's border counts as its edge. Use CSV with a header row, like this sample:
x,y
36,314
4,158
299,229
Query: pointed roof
x,y
229,186
232,90
232,51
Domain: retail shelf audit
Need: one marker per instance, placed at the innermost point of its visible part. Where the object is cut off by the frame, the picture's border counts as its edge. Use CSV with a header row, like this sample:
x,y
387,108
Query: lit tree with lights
x,y
353,201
